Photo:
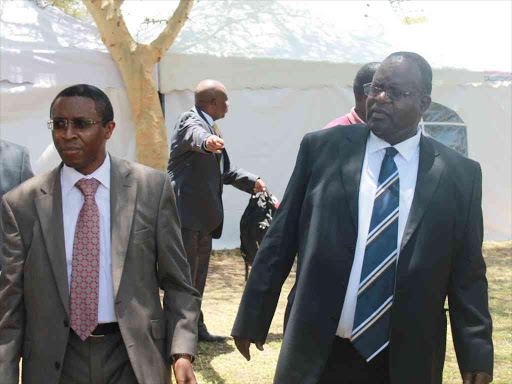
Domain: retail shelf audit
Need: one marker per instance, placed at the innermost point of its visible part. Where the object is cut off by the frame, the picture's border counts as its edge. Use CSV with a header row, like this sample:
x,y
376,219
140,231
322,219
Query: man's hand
x,y
183,371
476,378
243,346
260,186
214,144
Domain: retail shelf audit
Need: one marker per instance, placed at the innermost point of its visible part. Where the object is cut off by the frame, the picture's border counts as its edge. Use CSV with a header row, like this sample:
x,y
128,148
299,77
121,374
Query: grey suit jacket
x,y
440,257
14,169
147,254
196,175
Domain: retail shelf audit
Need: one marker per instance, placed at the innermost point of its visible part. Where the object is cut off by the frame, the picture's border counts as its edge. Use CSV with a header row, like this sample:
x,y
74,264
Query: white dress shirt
x,y
406,160
72,202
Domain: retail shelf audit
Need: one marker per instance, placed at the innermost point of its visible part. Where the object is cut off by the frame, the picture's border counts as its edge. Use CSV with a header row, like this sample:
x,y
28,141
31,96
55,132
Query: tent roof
x,y
46,47
470,35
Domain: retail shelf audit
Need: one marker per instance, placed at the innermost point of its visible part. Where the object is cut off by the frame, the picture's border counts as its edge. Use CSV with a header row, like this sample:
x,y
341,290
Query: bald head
x,y
211,97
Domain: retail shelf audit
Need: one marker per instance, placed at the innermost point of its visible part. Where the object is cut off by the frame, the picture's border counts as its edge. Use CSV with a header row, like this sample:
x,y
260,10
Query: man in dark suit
x,y
86,248
386,224
199,166
14,169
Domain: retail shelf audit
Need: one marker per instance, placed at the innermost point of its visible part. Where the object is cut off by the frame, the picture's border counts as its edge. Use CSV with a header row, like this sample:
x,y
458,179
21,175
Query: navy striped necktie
x,y
370,333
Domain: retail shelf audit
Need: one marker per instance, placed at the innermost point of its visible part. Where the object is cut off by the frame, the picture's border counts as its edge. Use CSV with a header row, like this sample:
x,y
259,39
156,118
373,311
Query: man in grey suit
x,y
87,247
385,224
199,166
14,169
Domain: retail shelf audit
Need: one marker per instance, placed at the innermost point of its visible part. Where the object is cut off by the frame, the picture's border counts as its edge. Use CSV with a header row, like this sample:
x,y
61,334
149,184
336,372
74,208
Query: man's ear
x,y
425,102
109,129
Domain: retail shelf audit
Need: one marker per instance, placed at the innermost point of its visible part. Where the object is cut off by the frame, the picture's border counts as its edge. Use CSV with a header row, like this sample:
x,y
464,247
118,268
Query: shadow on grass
x,y
206,352
274,337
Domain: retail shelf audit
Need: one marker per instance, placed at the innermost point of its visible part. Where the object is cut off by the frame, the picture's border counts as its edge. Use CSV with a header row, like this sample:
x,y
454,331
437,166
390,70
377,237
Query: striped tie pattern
x,y
221,155
370,333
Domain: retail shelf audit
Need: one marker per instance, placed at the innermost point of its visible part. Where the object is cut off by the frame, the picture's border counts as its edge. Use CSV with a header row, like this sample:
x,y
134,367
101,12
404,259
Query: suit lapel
x,y
49,209
352,151
123,192
430,169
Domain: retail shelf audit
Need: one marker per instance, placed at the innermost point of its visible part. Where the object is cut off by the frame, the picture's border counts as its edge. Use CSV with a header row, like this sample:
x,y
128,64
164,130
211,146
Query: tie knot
x,y
391,152
88,186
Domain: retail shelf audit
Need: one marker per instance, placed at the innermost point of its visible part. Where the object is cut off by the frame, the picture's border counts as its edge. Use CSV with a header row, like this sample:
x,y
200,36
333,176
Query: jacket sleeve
x,y
240,179
190,134
12,315
181,301
467,295
275,257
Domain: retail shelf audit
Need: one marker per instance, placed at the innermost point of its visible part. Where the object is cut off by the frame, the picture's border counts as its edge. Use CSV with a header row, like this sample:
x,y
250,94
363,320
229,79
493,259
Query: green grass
x,y
220,363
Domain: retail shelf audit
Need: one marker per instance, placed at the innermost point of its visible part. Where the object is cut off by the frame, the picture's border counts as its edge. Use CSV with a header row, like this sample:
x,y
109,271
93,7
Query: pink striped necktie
x,y
84,292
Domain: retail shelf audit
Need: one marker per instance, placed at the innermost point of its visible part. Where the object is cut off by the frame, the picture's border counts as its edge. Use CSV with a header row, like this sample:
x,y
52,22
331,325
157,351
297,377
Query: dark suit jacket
x,y
147,254
440,256
14,169
196,175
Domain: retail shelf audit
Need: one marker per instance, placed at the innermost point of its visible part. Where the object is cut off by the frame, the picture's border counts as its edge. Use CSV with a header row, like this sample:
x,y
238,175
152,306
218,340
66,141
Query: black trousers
x,y
346,366
198,246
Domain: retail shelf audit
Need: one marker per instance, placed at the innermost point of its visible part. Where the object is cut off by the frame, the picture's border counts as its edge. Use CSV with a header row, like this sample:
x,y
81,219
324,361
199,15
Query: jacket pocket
x,y
141,236
156,329
27,350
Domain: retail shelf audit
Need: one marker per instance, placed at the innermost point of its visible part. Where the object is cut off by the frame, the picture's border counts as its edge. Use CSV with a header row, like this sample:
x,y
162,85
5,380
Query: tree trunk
x,y
136,62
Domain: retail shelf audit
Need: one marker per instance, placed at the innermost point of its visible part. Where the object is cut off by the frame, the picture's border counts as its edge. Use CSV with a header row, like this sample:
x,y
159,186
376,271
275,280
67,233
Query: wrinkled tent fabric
x,y
289,71
42,52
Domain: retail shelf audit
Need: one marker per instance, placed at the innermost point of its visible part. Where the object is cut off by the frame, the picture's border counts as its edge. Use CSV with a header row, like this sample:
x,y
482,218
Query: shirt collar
x,y
354,117
406,148
208,118
69,176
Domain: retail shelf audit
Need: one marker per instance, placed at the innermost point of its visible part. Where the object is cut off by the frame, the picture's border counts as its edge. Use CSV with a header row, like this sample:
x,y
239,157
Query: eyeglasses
x,y
59,124
391,94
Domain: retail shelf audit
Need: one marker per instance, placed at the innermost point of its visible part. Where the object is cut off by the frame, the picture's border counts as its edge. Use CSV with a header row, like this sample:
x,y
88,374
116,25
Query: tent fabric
x,y
290,69
288,66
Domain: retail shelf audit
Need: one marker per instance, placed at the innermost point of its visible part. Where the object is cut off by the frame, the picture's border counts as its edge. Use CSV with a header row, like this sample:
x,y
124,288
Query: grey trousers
x,y
97,360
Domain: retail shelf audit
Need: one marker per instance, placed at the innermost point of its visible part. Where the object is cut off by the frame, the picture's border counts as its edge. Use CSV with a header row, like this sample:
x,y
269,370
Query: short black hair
x,y
423,66
102,103
364,76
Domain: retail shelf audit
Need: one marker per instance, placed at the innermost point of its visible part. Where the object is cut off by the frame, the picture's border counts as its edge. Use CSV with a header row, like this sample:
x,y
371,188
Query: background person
x,y
357,114
199,166
14,169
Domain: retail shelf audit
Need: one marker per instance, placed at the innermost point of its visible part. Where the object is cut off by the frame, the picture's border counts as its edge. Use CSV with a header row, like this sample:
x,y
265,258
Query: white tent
x,y
42,52
288,67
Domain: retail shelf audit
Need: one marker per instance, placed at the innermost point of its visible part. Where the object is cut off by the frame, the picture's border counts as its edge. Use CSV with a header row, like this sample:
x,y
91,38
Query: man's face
x,y
396,120
81,149
220,104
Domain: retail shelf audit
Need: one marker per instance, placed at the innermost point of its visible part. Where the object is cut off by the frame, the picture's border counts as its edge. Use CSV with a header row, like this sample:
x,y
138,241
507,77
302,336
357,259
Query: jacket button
x,y
57,365
66,323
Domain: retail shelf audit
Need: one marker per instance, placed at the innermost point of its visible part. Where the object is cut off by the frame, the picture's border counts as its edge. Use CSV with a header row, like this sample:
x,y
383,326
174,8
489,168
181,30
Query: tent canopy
x,y
288,66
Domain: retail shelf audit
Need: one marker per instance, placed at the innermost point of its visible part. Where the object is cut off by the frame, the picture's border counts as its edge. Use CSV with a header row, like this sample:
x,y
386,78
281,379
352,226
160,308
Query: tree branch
x,y
110,23
164,41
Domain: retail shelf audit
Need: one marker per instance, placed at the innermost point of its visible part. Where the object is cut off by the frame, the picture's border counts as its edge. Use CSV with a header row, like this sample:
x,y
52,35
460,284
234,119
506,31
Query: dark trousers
x,y
97,360
346,366
198,246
